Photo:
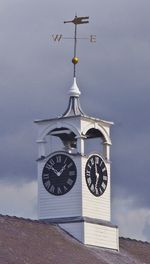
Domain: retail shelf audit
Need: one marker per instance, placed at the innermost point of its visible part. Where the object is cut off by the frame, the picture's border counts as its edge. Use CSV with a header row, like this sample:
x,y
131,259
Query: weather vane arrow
x,y
76,21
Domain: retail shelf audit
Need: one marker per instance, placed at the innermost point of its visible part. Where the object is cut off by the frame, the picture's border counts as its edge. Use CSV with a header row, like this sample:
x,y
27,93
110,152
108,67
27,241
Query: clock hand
x,y
97,176
61,171
56,172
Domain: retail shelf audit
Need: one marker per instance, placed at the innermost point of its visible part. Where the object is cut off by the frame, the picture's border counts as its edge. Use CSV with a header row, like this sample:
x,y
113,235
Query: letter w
x,y
57,37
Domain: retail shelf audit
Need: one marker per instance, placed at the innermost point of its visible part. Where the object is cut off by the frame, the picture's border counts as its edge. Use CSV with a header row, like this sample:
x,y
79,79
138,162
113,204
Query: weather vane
x,y
76,21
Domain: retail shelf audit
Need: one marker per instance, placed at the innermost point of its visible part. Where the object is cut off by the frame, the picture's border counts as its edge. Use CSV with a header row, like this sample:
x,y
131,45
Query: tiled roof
x,y
25,241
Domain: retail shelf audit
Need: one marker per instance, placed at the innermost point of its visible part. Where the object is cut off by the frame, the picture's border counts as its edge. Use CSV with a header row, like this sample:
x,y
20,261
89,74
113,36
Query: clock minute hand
x,y
61,171
97,176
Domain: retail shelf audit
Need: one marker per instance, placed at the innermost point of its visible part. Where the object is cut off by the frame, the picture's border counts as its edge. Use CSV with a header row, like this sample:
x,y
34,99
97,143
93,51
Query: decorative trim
x,y
83,116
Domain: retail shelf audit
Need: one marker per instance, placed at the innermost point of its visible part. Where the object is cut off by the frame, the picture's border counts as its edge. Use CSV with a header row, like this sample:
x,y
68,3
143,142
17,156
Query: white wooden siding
x,y
79,201
67,205
93,234
95,207
101,236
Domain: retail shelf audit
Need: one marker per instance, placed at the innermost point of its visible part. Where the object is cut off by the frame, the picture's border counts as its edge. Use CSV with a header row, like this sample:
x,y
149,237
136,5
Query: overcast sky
x,y
114,78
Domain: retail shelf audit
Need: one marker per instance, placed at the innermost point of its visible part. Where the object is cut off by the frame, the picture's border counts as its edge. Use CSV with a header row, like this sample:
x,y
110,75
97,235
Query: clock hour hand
x,y
56,172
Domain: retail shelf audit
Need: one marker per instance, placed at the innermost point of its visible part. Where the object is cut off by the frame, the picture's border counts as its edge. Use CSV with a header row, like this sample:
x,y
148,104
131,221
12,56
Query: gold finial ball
x,y
75,60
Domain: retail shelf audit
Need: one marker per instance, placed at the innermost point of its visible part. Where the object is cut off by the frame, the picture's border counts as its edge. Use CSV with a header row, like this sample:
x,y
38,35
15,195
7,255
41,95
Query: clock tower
x,y
74,174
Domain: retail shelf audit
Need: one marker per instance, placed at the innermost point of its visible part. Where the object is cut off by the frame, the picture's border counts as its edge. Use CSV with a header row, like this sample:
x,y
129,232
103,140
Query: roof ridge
x,y
135,240
25,219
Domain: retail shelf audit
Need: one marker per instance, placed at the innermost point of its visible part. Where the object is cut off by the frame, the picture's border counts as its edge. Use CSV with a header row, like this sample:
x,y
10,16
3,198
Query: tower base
x,y
90,231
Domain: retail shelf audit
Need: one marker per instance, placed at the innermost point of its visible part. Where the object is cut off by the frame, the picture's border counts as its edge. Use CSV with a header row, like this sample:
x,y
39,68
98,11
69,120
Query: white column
x,y
80,144
41,147
106,150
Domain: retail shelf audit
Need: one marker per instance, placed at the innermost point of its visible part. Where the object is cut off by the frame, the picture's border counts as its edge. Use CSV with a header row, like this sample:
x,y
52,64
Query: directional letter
x,y
93,38
57,37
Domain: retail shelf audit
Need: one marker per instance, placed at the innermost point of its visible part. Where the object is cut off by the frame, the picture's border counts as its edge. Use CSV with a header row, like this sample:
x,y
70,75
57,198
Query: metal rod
x,y
76,21
75,47
73,38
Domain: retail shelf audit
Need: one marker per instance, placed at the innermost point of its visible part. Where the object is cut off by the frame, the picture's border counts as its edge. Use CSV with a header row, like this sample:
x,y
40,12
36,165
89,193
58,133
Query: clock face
x,y
96,175
59,174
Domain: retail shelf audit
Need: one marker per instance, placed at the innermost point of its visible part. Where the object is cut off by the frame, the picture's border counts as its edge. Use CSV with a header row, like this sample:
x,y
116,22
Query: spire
x,y
74,90
74,107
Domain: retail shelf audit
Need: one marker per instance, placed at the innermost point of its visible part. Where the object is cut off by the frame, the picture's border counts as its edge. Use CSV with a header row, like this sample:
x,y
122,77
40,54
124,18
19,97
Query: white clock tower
x,y
74,179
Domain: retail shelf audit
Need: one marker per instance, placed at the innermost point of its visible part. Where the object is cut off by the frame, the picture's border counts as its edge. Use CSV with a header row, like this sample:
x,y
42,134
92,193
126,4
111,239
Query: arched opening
x,y
93,141
60,139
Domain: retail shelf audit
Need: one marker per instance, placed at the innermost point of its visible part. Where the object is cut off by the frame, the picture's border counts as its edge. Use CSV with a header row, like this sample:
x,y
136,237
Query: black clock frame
x,y
59,174
96,175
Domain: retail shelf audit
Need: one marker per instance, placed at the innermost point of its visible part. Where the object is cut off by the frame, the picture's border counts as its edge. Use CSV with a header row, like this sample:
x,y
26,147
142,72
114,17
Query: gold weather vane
x,y
76,21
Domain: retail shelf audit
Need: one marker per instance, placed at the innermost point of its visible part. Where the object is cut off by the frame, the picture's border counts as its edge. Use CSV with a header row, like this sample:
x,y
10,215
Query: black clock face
x,y
96,175
59,174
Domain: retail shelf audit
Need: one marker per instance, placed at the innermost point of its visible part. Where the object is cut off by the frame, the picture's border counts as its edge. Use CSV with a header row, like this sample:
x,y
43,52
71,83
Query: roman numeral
x,y
65,188
100,191
59,190
70,181
96,191
46,176
69,165
47,184
48,166
101,163
57,37
103,169
51,162
71,173
52,189
89,181
104,178
97,160
88,173
89,166
92,161
103,185
58,159
92,188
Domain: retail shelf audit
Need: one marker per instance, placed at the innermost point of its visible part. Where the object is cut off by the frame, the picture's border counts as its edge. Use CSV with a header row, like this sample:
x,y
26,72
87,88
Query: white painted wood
x,y
106,151
41,147
94,234
92,206
67,205
101,236
79,201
